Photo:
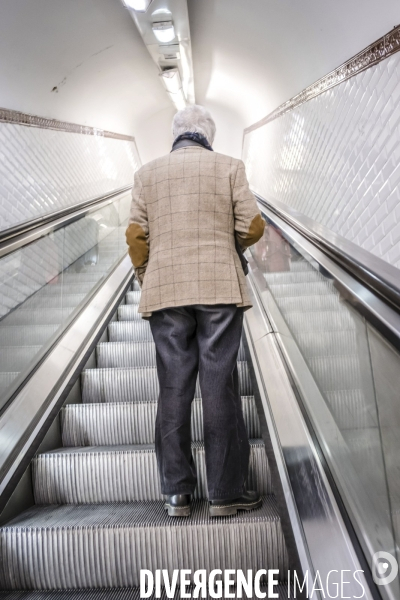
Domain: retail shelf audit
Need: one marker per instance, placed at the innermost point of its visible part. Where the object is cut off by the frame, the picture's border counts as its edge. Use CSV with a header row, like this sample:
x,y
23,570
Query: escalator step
x,y
285,290
300,322
130,593
29,335
133,354
126,331
112,424
333,373
66,300
351,410
285,277
311,303
327,343
138,384
135,286
86,546
129,312
38,316
60,288
300,265
97,475
16,358
133,297
6,380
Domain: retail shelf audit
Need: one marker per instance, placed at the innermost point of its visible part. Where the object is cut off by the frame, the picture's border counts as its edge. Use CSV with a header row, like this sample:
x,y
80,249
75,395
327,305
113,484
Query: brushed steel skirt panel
x,y
90,546
123,474
113,424
138,385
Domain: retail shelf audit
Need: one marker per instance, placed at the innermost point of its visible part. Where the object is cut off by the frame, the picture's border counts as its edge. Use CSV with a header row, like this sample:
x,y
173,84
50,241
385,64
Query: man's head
x,y
196,119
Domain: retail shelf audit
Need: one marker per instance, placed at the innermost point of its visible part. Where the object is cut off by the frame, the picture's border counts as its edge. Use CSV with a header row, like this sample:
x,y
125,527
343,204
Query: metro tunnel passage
x,y
308,101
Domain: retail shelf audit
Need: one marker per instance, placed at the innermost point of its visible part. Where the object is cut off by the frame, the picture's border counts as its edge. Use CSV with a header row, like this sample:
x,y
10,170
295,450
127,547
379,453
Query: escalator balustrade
x,y
99,517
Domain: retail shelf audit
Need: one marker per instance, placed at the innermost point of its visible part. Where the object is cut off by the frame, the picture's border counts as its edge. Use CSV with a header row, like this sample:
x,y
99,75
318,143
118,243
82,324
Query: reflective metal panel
x,y
335,358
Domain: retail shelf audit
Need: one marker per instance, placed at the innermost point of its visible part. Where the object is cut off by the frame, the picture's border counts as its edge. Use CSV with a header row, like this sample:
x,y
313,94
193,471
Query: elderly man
x,y
188,211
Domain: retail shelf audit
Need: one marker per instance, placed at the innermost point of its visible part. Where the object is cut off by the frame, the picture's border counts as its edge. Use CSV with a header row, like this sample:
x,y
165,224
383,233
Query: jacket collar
x,y
185,144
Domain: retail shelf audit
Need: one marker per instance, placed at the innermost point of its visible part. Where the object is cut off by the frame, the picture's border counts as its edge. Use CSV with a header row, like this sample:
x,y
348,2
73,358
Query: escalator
x,y
80,494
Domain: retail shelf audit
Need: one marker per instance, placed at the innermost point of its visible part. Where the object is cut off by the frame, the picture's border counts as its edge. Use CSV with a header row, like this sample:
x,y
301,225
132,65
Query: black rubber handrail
x,y
18,231
379,276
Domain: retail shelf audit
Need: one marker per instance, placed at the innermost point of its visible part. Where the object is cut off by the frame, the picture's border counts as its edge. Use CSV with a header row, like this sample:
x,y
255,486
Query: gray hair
x,y
196,119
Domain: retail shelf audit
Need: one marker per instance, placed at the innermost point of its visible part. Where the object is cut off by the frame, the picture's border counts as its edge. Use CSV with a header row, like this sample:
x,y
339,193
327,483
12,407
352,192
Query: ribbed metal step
x,y
15,358
311,304
133,297
66,287
127,331
38,316
285,290
135,286
137,385
336,372
128,312
114,594
133,354
305,277
65,301
350,409
63,547
319,321
119,423
86,276
300,265
97,475
29,335
6,380
327,343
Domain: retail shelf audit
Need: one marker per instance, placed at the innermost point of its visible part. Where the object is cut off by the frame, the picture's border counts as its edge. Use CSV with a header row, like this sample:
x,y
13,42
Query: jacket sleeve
x,y
249,225
137,234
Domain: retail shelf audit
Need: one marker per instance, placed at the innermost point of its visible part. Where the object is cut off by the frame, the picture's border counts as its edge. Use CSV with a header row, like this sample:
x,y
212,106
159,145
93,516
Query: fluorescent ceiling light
x,y
173,84
137,5
171,80
164,31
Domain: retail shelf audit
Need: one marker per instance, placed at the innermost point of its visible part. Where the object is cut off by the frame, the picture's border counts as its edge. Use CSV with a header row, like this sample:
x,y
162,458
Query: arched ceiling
x,y
84,60
249,57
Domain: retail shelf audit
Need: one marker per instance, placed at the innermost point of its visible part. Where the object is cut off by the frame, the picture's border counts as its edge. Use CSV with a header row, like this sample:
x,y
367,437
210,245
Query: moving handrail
x,y
381,277
16,237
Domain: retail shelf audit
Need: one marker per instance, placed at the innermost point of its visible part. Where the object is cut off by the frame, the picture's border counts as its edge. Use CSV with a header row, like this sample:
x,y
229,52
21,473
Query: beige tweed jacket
x,y
186,209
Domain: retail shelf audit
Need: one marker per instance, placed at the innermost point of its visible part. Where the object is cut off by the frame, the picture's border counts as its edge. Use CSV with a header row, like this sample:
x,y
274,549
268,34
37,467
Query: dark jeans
x,y
202,340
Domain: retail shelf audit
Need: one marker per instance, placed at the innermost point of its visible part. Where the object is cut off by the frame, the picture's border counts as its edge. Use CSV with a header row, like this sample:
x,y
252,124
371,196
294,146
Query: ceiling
x,y
84,60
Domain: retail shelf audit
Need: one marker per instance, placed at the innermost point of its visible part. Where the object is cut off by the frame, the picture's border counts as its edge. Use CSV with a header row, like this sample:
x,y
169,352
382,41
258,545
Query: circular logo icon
x,y
384,568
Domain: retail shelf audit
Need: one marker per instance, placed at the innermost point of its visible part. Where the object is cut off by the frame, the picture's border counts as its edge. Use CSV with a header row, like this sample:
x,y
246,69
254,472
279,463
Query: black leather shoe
x,y
178,506
248,501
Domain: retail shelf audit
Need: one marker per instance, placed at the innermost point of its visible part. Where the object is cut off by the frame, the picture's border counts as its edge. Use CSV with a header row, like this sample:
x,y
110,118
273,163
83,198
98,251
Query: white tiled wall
x,y
336,159
43,170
